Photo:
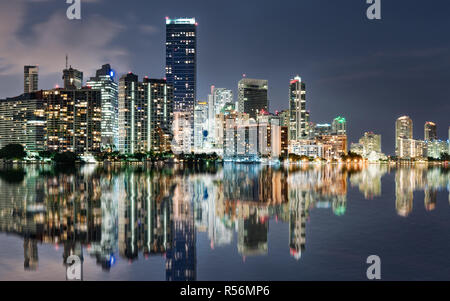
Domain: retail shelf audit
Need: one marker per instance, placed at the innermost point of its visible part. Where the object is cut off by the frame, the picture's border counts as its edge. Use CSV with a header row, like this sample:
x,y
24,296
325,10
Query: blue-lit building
x,y
181,62
104,81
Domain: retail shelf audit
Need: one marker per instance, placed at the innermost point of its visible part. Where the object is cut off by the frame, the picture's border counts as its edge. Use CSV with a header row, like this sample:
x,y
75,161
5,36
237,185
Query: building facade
x,y
145,115
30,79
403,130
430,131
253,96
22,121
73,120
104,82
181,62
297,109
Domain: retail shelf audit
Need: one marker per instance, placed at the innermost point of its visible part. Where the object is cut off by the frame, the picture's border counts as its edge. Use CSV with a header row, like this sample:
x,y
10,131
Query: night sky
x,y
371,72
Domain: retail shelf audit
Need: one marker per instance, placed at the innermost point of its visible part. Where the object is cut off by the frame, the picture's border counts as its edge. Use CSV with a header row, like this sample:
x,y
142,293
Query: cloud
x,y
86,41
148,29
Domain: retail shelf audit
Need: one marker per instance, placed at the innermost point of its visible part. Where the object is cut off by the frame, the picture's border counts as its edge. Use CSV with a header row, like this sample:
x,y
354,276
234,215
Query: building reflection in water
x,y
127,212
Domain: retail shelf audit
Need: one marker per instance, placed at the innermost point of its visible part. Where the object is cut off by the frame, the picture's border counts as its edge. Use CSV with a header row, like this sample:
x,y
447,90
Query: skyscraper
x,y
430,131
128,99
181,62
30,79
200,126
145,114
73,120
297,109
253,96
217,101
403,130
104,82
339,126
22,121
73,79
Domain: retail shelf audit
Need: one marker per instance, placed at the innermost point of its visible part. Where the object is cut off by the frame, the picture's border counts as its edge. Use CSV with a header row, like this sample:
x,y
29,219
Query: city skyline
x,y
359,87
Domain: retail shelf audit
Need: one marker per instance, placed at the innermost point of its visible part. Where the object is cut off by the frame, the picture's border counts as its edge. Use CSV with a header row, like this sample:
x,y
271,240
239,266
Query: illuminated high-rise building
x,y
22,121
30,79
403,130
218,100
253,96
145,114
73,120
201,126
104,82
370,143
297,109
430,131
181,62
339,126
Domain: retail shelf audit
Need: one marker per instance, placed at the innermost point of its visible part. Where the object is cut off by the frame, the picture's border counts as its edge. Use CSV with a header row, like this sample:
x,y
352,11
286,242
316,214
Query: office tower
x,y
104,82
128,101
22,121
371,143
159,99
218,100
201,125
297,108
403,130
30,79
145,115
181,62
339,126
73,78
73,120
430,131
253,96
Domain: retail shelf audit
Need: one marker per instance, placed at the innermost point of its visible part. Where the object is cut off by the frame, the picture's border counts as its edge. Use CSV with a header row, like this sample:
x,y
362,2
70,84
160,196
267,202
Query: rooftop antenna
x,y
67,61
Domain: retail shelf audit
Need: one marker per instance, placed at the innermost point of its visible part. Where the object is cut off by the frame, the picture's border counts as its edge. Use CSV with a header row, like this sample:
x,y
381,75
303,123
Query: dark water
x,y
236,222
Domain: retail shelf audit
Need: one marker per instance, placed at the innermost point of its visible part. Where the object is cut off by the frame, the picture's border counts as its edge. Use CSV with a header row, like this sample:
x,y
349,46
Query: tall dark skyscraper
x,y
181,62
253,96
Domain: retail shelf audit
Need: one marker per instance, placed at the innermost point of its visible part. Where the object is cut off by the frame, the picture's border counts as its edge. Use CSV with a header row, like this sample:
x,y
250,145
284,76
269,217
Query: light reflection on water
x,y
236,222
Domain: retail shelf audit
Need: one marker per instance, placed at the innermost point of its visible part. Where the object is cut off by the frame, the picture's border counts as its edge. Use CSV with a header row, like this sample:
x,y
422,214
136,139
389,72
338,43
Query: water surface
x,y
231,222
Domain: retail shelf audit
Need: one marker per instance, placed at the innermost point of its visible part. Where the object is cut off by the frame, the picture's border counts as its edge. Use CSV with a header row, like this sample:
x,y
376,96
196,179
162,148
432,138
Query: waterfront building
x,y
104,82
253,96
437,148
403,130
30,79
297,108
181,62
182,133
218,100
337,143
371,143
201,125
73,120
339,126
411,149
430,131
145,115
23,121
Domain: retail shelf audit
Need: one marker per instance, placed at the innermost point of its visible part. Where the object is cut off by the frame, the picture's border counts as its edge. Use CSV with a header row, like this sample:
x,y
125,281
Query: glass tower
x,y
104,82
181,62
